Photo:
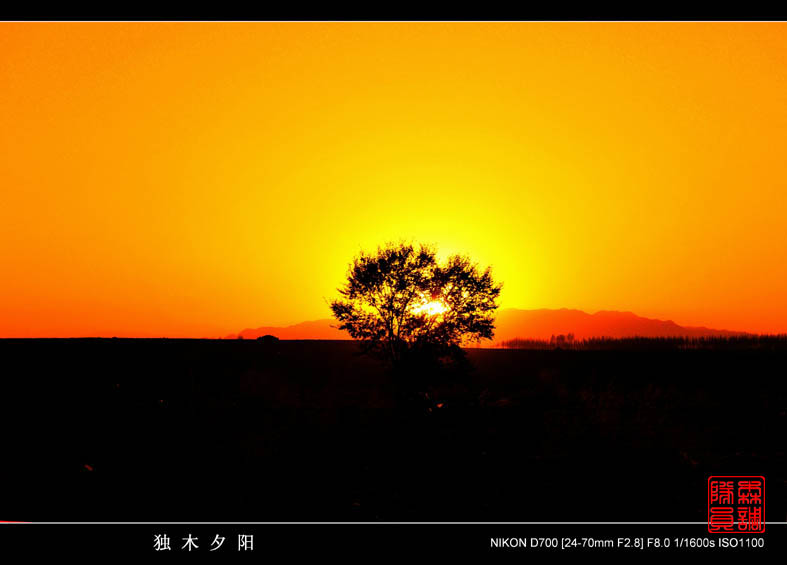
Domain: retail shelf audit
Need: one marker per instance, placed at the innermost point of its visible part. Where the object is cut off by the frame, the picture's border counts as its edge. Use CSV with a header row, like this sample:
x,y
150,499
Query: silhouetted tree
x,y
414,312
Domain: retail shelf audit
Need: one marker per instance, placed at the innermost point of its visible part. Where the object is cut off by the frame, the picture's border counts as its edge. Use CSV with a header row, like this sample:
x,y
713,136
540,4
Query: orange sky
x,y
197,179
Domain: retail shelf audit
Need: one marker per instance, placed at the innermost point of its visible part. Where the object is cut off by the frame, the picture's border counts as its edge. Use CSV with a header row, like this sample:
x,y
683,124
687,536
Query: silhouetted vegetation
x,y
719,343
415,313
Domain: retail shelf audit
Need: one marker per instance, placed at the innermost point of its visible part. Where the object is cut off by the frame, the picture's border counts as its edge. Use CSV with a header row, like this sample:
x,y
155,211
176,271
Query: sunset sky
x,y
184,179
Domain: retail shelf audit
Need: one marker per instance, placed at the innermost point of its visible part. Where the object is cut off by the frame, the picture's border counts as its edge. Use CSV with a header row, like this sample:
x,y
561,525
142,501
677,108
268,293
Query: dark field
x,y
202,430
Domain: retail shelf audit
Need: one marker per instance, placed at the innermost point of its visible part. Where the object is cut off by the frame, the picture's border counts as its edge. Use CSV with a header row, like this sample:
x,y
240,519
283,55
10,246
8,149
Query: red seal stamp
x,y
735,504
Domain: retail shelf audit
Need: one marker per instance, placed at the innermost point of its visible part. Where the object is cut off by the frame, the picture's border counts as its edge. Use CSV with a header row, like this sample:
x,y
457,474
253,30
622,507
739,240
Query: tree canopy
x,y
406,306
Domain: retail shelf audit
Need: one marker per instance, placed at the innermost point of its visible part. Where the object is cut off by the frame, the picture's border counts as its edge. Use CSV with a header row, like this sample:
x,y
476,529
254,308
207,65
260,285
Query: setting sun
x,y
431,308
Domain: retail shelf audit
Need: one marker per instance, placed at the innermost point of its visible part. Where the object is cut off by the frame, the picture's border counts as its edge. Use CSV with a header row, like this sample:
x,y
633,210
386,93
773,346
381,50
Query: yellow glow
x,y
431,308
195,179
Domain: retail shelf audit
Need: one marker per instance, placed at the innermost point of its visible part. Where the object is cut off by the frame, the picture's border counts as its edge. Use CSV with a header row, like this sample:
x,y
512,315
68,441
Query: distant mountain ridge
x,y
544,323
513,323
315,329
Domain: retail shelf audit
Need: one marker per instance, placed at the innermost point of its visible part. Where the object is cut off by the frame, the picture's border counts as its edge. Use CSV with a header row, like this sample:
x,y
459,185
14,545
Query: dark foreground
x,y
202,430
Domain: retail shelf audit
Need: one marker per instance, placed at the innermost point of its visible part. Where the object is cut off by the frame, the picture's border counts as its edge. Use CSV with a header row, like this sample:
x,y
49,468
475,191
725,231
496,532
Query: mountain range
x,y
513,323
